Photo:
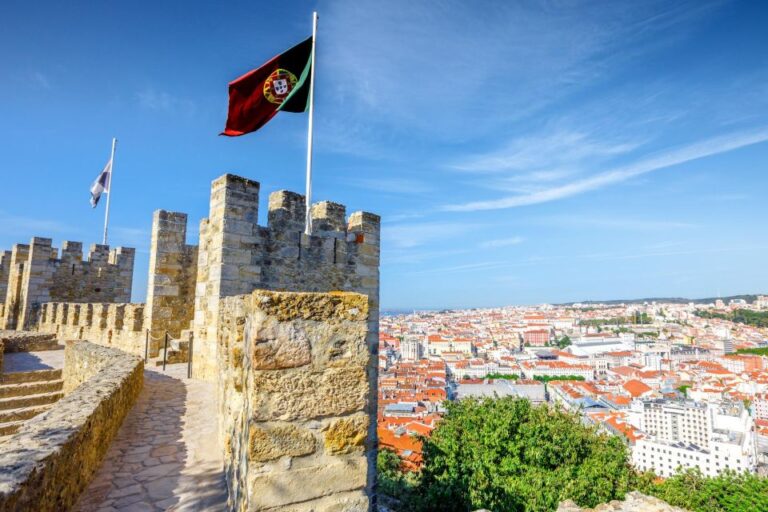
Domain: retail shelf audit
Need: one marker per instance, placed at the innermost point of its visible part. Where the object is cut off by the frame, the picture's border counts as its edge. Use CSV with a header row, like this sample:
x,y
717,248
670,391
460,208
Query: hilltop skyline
x,y
517,154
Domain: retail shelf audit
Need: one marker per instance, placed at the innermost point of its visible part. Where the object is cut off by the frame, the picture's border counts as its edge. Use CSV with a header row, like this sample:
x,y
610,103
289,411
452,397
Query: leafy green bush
x,y
507,455
729,492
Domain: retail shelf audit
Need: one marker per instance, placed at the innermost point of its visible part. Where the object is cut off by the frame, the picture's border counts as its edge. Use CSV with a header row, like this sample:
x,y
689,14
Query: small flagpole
x,y
109,188
308,220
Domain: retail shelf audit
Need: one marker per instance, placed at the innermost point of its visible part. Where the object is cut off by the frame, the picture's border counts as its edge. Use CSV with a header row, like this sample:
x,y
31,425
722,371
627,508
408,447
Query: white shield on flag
x,y
281,86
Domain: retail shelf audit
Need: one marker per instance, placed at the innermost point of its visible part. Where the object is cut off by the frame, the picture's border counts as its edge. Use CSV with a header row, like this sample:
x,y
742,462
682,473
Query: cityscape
x,y
684,385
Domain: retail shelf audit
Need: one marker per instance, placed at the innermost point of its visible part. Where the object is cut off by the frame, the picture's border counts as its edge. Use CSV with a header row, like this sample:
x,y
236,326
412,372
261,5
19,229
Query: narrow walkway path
x,y
33,361
166,454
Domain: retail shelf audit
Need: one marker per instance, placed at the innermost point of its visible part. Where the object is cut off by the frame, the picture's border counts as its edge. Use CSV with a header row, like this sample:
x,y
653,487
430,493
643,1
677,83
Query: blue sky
x,y
518,152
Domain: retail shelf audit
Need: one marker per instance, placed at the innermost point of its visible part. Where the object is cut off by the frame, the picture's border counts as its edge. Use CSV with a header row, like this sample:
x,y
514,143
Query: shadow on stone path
x,y
166,454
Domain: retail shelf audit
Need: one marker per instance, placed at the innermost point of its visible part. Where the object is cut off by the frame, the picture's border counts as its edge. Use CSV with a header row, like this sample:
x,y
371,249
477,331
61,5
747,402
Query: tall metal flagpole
x,y
308,221
109,188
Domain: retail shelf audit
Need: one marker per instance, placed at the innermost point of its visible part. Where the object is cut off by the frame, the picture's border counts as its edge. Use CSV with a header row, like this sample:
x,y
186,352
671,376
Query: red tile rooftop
x,y
636,388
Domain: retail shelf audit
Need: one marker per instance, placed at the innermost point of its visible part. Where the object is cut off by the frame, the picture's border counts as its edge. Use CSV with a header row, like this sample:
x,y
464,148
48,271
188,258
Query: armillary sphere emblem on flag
x,y
279,85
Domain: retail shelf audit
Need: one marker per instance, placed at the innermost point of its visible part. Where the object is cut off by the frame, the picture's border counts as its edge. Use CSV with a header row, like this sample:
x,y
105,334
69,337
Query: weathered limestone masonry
x,y
47,464
5,268
633,502
112,325
237,256
296,402
172,274
35,274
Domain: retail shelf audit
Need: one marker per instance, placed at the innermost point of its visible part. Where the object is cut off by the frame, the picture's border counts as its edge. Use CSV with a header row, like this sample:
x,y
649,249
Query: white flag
x,y
101,185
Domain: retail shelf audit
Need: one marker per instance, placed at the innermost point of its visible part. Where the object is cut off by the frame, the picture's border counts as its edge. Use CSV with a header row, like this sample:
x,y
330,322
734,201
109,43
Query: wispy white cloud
x,y
410,63
153,99
612,222
399,186
15,225
407,236
543,157
41,80
502,242
709,147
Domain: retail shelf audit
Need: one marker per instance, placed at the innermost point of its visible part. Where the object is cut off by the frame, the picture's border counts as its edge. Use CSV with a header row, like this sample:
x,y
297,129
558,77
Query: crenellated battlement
x,y
119,325
38,273
238,256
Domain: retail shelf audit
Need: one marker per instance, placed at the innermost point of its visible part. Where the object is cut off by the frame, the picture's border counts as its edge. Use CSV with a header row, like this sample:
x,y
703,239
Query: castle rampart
x,y
296,372
237,256
295,401
172,277
36,274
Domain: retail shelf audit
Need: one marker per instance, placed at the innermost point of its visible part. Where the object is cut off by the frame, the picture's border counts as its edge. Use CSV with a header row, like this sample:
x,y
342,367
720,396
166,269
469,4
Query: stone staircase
x,y
24,395
178,351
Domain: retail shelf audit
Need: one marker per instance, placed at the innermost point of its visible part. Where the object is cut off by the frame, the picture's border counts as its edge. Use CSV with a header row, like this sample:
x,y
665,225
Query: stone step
x,y
10,428
19,402
25,413
30,388
33,376
174,357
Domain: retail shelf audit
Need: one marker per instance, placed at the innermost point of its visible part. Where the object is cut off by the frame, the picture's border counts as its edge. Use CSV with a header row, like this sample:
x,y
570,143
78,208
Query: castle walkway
x,y
166,455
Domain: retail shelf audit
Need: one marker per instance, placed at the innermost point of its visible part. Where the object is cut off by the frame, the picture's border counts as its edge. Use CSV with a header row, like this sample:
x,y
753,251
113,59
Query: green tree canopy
x,y
729,492
508,455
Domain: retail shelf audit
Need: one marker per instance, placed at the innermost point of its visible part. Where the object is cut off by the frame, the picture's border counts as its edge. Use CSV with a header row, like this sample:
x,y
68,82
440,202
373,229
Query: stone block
x,y
355,501
275,489
312,306
267,442
278,345
346,435
302,394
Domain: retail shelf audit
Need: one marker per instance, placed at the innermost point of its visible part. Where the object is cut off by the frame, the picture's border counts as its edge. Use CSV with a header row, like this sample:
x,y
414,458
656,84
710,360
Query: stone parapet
x,y
633,502
113,325
24,341
237,256
37,273
172,276
295,399
46,466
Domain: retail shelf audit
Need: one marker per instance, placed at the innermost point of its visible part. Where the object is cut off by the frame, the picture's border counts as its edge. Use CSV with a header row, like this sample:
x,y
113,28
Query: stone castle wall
x,y
113,325
46,465
237,256
172,275
295,400
36,274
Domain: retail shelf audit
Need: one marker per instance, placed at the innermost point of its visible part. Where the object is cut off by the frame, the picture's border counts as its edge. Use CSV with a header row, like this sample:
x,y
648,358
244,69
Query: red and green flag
x,y
281,84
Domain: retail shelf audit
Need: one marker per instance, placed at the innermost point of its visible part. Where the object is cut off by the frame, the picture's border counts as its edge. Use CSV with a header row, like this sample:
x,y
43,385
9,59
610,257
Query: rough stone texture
x,y
47,465
36,273
633,502
23,341
172,273
296,434
274,441
112,325
237,256
347,435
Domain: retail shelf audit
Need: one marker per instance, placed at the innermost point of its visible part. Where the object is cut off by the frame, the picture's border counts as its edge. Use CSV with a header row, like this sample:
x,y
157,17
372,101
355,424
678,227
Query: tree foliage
x,y
508,455
550,378
506,376
740,316
729,492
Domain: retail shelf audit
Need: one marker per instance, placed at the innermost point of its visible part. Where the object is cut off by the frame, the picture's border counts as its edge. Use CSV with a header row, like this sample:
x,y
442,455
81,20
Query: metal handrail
x,y
189,355
165,350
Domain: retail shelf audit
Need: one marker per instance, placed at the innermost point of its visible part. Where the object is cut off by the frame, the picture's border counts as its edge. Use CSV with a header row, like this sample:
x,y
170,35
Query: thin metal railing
x,y
189,355
165,350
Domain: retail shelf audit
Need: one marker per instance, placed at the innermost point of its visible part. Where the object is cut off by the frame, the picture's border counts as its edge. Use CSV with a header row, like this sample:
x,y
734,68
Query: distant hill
x,y
673,300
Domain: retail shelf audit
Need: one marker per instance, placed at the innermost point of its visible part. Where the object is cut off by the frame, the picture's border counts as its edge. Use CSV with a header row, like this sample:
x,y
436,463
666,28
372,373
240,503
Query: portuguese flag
x,y
280,84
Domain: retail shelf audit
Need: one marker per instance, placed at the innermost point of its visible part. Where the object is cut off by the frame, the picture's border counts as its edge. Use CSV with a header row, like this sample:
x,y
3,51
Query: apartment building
x,y
687,434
